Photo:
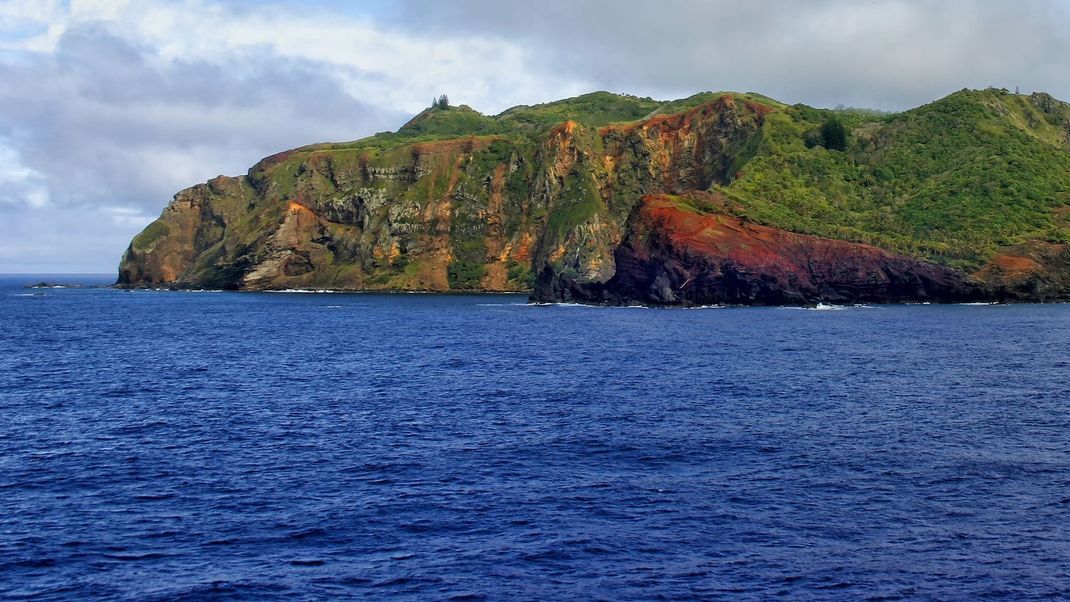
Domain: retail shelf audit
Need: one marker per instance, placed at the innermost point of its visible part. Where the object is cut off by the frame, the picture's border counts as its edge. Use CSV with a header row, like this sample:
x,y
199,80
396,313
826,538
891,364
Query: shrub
x,y
834,134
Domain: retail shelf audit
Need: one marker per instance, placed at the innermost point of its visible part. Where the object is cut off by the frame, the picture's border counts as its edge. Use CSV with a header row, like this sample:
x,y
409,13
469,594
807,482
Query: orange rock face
x,y
1037,271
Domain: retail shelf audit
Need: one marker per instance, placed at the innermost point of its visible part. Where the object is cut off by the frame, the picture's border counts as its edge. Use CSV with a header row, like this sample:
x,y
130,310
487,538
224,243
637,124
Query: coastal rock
x,y
683,250
1035,271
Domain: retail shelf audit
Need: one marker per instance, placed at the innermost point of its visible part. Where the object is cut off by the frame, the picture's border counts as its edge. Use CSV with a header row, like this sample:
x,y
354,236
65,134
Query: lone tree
x,y
834,134
442,102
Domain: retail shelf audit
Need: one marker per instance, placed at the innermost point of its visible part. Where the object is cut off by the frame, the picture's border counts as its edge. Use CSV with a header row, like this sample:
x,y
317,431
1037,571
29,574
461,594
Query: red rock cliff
x,y
684,250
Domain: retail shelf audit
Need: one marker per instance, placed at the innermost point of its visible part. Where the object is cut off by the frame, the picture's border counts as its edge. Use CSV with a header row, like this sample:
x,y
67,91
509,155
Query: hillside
x,y
977,183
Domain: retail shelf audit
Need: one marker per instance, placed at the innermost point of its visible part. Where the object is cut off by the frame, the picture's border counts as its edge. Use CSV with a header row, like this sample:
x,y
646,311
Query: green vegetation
x,y
520,273
519,125
594,109
464,274
696,100
155,231
953,180
450,122
834,134
580,202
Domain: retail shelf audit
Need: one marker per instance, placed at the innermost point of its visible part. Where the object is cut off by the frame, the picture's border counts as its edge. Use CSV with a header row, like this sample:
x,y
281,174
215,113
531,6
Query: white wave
x,y
563,304
307,291
161,289
593,306
826,307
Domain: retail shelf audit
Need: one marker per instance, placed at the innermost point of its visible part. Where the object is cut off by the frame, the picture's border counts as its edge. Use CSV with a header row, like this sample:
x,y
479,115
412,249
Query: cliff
x,y
718,198
688,251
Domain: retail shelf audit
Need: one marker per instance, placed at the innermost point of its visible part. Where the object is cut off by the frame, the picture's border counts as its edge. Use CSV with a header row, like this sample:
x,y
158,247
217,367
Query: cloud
x,y
99,119
881,54
19,185
382,64
110,106
76,239
121,103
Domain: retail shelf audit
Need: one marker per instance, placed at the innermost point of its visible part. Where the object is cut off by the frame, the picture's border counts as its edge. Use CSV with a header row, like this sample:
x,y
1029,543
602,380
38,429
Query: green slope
x,y
953,180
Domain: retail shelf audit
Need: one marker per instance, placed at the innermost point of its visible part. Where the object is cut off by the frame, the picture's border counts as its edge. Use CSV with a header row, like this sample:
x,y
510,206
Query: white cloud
x,y
396,68
31,25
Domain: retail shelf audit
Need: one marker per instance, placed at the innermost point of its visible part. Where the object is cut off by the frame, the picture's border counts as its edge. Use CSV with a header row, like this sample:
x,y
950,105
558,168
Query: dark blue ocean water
x,y
169,445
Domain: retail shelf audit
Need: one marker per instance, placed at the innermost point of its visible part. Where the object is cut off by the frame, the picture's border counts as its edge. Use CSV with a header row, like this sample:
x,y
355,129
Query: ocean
x,y
159,445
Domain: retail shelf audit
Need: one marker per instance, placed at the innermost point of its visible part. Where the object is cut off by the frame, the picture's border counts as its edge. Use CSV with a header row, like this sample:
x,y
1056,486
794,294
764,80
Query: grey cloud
x,y
81,238
882,54
102,119
106,125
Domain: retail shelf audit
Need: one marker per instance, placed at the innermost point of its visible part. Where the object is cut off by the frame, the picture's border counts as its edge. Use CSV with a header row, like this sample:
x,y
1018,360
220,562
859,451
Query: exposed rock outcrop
x,y
1035,271
686,251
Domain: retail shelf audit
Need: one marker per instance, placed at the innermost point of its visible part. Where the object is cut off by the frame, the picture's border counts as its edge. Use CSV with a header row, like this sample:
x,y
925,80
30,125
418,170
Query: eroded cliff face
x,y
429,216
477,213
592,179
187,243
1035,271
723,198
687,250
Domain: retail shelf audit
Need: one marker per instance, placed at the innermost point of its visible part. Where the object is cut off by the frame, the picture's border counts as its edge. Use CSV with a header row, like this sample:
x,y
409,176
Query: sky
x,y
109,107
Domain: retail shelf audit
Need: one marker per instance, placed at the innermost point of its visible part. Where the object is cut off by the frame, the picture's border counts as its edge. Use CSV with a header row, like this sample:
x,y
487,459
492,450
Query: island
x,y
719,198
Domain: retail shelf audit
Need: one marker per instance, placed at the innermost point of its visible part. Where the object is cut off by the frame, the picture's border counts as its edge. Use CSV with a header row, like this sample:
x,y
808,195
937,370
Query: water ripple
x,y
169,446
